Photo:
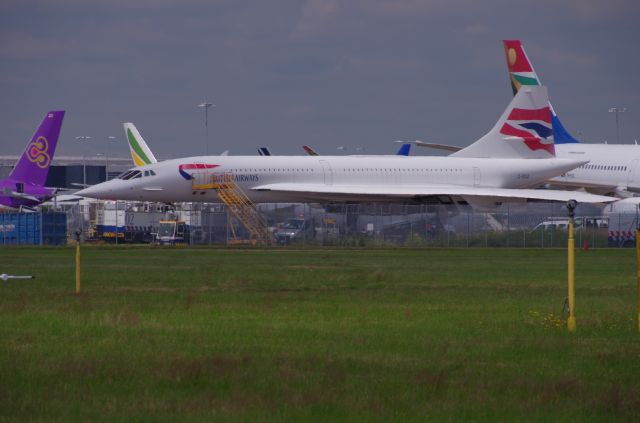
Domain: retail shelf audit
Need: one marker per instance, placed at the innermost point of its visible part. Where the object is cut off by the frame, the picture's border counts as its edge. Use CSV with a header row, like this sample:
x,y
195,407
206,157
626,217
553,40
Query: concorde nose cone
x,y
97,191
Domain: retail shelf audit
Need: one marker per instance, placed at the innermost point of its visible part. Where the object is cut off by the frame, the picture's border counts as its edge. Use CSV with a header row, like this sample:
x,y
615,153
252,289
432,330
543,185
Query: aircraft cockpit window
x,y
146,173
152,173
131,174
127,174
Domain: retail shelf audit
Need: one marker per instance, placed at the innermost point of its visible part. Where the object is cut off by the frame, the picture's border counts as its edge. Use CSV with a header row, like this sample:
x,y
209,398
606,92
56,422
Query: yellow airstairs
x,y
239,206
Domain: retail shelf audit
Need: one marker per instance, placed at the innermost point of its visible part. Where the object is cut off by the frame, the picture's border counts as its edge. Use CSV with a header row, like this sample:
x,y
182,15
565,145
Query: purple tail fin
x,y
33,165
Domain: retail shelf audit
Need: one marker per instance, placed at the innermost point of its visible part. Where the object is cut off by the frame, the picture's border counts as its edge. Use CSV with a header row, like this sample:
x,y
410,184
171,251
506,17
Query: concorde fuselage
x,y
170,180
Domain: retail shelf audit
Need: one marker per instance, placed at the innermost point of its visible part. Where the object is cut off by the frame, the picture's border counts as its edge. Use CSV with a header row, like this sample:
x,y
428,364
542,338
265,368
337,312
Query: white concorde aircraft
x,y
520,146
612,169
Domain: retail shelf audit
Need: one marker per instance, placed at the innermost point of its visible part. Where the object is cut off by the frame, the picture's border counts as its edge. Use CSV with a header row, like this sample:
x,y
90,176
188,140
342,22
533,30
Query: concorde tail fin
x,y
523,131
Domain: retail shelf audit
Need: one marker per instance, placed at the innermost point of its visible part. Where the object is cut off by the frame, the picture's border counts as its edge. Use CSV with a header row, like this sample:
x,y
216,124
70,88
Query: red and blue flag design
x,y
190,166
533,126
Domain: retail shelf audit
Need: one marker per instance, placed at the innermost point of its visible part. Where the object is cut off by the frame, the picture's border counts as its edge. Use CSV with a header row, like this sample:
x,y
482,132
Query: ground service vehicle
x,y
171,232
291,230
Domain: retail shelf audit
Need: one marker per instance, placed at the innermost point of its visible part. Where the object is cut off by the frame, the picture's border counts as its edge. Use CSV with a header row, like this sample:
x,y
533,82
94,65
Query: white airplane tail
x,y
523,131
140,152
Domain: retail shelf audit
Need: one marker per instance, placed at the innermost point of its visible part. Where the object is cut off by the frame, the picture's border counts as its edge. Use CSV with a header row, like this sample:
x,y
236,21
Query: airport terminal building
x,y
75,171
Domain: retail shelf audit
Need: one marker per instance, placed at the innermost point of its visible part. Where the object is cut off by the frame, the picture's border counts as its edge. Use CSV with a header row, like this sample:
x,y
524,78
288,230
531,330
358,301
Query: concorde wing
x,y
372,192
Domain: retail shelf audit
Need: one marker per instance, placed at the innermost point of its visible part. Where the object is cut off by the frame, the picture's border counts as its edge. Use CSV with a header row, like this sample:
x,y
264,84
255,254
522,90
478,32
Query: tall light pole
x,y
106,159
617,111
84,138
206,106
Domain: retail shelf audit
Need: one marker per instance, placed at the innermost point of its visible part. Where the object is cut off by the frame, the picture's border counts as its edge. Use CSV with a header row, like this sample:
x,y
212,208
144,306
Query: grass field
x,y
283,334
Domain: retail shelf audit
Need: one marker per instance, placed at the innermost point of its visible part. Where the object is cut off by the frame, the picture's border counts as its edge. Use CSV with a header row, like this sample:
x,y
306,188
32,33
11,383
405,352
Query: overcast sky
x,y
329,73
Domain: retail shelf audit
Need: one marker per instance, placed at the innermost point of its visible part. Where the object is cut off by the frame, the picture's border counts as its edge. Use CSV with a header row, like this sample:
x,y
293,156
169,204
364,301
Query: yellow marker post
x,y
638,272
77,262
571,321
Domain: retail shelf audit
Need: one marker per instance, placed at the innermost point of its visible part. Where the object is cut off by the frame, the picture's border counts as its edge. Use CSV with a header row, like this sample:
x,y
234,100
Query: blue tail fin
x,y
264,151
560,134
404,150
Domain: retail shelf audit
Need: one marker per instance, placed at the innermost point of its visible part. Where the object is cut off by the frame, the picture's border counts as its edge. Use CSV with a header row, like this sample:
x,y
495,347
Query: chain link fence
x,y
532,225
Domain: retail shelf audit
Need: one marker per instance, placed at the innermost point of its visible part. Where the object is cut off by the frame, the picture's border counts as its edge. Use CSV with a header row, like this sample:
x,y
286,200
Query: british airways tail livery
x,y
25,184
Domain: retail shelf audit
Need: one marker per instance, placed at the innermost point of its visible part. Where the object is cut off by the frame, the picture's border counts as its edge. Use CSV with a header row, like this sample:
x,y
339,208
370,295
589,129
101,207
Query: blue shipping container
x,y
33,228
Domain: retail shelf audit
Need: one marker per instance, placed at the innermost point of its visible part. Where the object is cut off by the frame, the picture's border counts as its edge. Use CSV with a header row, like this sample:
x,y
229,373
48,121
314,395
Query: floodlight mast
x,y
617,111
205,105
571,321
84,138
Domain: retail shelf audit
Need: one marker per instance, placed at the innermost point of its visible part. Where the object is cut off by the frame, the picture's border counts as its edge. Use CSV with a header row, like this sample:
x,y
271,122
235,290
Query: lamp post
x,y
205,105
85,138
84,161
571,266
106,159
617,111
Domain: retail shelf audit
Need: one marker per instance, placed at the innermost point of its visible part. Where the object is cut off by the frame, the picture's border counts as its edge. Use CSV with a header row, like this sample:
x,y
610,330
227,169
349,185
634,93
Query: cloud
x,y
282,69
316,16
565,59
598,9
411,8
476,29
